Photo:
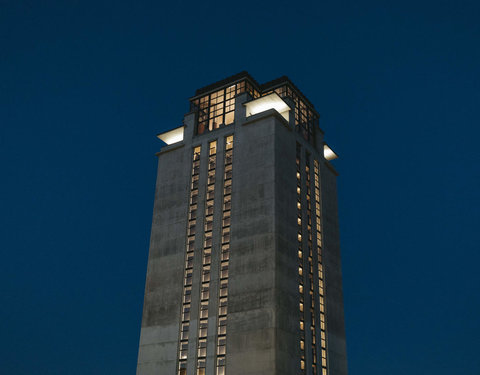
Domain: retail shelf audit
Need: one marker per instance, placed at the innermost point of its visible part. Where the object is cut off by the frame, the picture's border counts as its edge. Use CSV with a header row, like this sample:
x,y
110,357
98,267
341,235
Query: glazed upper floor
x,y
237,99
214,105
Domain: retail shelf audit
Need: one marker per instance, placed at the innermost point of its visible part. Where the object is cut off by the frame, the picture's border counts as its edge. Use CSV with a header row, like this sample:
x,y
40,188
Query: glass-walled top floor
x,y
215,108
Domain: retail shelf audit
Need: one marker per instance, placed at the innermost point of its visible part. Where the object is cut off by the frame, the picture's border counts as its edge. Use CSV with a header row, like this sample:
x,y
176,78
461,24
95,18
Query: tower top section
x,y
214,104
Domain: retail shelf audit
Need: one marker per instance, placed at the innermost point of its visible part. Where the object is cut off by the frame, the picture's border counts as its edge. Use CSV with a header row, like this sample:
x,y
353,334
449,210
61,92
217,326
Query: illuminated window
x,y
222,306
224,288
205,293
224,272
321,294
218,108
221,345
207,257
212,150
228,156
202,348
203,326
183,354
204,310
221,366
184,332
300,259
187,295
206,274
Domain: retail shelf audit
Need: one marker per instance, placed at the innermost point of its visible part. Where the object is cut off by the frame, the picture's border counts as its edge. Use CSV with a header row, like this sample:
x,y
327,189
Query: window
x,y
224,273
206,274
224,291
228,156
205,293
221,345
218,108
207,258
321,294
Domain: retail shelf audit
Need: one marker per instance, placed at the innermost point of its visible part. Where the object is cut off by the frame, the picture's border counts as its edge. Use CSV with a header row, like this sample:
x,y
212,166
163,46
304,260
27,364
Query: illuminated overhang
x,y
172,136
328,153
271,101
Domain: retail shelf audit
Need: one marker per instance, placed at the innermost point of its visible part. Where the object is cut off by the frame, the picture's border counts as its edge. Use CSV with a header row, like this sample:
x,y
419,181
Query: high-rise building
x,y
244,274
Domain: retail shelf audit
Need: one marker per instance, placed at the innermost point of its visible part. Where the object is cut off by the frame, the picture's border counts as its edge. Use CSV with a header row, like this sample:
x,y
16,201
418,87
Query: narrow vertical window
x,y
206,260
188,269
301,288
224,258
320,269
311,290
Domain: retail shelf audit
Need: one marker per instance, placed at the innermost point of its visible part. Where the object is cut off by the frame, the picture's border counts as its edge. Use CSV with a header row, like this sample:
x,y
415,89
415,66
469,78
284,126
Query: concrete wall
x,y
286,259
251,318
163,289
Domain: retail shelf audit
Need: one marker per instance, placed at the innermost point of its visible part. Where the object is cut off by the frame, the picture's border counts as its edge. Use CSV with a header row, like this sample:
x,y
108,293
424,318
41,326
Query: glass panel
x,y
229,118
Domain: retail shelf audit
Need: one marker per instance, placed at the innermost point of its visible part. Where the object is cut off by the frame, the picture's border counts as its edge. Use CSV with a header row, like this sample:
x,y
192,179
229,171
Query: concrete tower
x,y
244,274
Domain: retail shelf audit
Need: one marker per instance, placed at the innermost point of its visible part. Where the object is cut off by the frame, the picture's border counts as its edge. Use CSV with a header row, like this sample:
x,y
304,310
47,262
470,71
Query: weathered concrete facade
x,y
262,331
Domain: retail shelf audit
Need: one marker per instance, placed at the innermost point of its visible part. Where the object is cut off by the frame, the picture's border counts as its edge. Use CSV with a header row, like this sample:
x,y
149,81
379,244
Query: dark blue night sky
x,y
86,86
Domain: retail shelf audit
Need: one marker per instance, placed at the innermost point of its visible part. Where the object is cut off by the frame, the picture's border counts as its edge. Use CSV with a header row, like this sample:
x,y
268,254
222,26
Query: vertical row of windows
x,y
224,258
300,262
321,287
218,108
206,260
188,270
310,265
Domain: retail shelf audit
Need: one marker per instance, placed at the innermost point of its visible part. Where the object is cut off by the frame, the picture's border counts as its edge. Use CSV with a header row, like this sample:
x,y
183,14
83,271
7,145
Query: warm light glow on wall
x,y
328,153
172,136
272,101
